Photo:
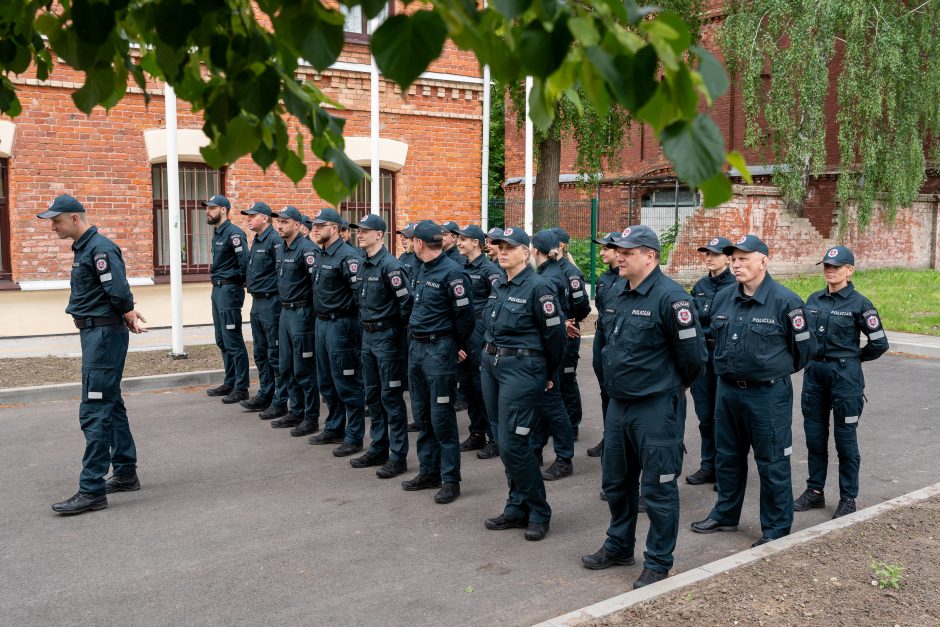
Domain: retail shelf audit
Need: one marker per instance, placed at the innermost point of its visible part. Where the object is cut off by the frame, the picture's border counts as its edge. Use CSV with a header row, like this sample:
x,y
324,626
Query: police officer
x,y
483,275
228,270
306,227
492,250
703,389
449,232
261,280
384,307
441,324
102,307
524,344
654,350
761,338
833,381
555,421
408,260
296,262
339,336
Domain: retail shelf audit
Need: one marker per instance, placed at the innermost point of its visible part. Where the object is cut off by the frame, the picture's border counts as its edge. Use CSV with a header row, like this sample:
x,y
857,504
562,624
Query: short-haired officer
x,y
306,227
577,309
761,338
492,250
441,324
449,232
228,269
654,350
833,380
102,307
261,281
555,421
296,263
483,275
384,308
409,261
524,343
339,336
705,387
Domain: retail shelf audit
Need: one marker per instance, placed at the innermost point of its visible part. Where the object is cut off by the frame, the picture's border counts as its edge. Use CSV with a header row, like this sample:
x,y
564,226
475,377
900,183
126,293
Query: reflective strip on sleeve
x,y
394,384
801,337
402,292
95,396
354,279
577,294
462,302
306,355
877,335
230,326
553,322
522,430
787,451
107,277
666,478
348,373
685,334
569,370
443,399
851,420
238,249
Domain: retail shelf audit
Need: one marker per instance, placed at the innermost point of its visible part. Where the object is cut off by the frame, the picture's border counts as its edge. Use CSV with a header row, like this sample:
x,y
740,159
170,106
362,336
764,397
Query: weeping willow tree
x,y
884,56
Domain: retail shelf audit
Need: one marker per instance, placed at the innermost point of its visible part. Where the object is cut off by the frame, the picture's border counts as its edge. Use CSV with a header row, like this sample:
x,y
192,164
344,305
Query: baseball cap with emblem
x,y
217,201
328,215
637,236
838,256
494,232
62,204
749,243
307,221
451,227
258,207
513,235
545,240
408,230
561,234
715,245
289,213
473,232
428,231
608,239
371,222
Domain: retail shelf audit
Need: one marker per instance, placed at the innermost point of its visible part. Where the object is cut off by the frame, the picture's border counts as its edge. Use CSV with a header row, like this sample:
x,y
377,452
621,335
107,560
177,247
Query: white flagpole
x,y
528,157
173,203
374,171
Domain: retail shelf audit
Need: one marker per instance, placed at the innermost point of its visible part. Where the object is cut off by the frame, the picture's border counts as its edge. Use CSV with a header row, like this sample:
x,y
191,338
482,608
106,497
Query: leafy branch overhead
x,y
243,76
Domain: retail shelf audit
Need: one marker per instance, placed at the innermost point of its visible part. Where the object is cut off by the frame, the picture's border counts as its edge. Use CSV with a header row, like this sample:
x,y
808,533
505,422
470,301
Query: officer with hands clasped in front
x,y
653,351
524,344
102,307
441,324
384,307
833,380
761,338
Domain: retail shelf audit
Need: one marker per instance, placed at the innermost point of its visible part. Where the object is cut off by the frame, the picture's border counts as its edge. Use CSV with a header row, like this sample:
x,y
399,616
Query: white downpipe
x,y
374,171
485,169
173,203
528,158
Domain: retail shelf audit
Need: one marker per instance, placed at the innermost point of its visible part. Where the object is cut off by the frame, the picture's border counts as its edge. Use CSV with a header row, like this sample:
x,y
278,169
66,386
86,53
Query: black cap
x,y
289,213
258,207
545,240
451,227
473,232
372,222
636,236
217,201
62,204
329,215
307,221
608,239
748,243
715,245
513,236
408,230
562,234
428,231
838,256
494,232
343,223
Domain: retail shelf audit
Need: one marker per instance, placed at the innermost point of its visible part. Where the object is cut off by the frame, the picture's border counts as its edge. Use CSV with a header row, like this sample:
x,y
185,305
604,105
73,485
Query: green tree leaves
x,y
405,45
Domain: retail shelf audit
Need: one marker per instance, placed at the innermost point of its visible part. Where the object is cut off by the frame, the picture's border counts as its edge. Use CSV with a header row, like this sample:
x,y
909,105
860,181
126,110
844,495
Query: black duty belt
x,y
744,384
493,349
297,304
336,316
381,325
87,323
221,282
262,295
430,337
832,360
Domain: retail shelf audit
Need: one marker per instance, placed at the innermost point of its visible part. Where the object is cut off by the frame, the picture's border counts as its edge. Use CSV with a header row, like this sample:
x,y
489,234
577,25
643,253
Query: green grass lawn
x,y
908,300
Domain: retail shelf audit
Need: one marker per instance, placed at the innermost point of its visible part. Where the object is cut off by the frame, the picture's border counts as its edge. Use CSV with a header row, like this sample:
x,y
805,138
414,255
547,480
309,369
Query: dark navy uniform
x,y
228,270
604,284
833,381
265,315
483,275
577,309
454,254
410,264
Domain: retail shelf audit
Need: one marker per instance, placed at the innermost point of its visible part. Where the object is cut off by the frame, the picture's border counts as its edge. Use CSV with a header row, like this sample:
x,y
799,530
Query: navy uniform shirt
x,y
838,318
229,253
99,282
552,273
262,262
703,294
523,312
653,341
410,264
579,302
483,275
760,337
443,300
604,282
295,266
383,289
334,281
454,253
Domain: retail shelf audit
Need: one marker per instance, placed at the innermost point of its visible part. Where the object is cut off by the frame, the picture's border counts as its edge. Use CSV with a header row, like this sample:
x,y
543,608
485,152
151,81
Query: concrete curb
x,y
917,349
65,391
623,601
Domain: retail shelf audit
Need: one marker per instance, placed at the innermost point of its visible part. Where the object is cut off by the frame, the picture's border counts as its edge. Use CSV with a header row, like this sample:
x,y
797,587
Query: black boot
x,y
422,482
222,390
306,427
235,397
274,411
290,420
810,499
391,469
489,451
597,450
561,467
474,442
255,403
122,483
447,494
81,502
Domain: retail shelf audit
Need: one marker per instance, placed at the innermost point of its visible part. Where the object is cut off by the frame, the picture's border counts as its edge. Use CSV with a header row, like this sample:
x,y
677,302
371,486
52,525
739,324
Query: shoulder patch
x,y
353,265
548,307
101,262
310,259
395,279
459,290
236,240
575,283
683,311
872,321
797,319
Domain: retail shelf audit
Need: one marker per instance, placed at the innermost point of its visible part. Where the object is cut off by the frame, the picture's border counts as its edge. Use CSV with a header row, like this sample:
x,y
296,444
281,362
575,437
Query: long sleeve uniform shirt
x,y
838,320
334,280
443,300
229,253
383,289
296,263
261,277
579,302
99,281
703,294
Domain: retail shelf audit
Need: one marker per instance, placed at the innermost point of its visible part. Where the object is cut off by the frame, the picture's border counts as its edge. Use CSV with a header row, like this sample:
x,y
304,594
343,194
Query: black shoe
x,y
306,427
81,502
235,397
274,411
710,525
391,469
574,433
503,521
602,558
422,482
122,483
701,476
369,459
845,506
597,450
290,420
641,504
489,450
536,531
810,499
603,496
649,576
474,442
413,427
561,467
763,540
325,438
447,494
222,390
346,449
255,403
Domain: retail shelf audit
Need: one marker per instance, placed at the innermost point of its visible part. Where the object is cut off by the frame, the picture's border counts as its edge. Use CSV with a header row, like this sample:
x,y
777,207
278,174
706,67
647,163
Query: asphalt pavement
x,y
240,524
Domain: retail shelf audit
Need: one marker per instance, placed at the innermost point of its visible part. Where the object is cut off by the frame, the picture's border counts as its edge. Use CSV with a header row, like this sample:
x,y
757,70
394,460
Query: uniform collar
x,y
725,277
295,244
332,247
222,227
377,258
545,264
762,290
436,260
845,292
85,238
476,263
263,235
647,283
520,278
